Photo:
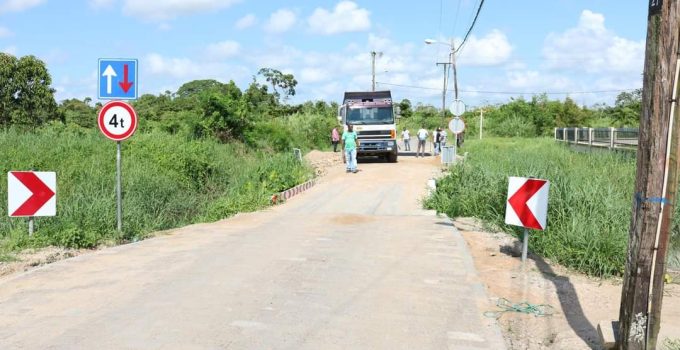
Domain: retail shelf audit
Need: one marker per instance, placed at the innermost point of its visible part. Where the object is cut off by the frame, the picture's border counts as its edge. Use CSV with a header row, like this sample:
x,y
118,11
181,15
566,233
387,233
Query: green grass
x,y
168,181
590,201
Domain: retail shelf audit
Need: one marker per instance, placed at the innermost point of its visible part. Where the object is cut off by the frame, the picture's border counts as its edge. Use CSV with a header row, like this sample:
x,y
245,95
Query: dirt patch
x,y
579,303
322,161
32,258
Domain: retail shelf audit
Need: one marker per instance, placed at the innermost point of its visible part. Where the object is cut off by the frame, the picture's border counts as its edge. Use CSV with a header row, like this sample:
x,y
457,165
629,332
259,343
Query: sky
x,y
587,50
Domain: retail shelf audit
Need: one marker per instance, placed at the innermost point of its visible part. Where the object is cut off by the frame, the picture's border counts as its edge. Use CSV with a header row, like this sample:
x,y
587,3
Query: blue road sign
x,y
117,79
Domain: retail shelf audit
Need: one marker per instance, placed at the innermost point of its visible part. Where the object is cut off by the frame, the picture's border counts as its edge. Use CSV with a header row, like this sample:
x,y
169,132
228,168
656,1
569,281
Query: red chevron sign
x,y
527,204
31,193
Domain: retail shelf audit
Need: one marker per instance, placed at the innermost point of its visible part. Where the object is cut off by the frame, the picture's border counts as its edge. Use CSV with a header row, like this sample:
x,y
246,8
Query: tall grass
x,y
168,181
590,198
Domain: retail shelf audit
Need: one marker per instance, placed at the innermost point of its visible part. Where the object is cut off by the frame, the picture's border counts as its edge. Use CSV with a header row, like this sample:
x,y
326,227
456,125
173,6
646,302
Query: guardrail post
x,y
612,136
576,135
555,134
590,137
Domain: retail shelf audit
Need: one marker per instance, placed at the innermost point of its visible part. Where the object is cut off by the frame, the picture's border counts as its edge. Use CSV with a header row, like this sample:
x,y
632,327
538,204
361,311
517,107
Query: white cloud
x,y
246,21
313,75
164,27
591,47
224,49
281,21
18,5
4,32
490,50
345,17
163,10
172,67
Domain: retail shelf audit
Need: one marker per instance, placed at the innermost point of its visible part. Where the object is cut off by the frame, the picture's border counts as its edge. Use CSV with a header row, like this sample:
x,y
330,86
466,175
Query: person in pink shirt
x,y
335,139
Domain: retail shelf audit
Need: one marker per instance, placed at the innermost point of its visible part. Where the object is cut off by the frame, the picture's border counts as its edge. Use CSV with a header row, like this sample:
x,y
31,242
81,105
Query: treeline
x,y
529,118
257,116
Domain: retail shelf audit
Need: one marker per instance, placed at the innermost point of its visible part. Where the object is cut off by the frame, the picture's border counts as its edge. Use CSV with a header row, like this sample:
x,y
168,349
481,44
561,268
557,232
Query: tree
x,y
286,82
8,66
33,93
405,108
74,111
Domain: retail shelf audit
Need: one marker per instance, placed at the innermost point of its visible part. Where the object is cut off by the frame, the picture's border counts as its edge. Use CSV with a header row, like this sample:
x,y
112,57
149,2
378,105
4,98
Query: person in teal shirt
x,y
350,142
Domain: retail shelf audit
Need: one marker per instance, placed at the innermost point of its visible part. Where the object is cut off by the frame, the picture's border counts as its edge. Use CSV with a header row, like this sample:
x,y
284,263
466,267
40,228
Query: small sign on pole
x,y
527,206
457,108
30,194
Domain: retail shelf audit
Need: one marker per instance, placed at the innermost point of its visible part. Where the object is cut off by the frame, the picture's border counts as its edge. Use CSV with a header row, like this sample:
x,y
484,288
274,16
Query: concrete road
x,y
352,264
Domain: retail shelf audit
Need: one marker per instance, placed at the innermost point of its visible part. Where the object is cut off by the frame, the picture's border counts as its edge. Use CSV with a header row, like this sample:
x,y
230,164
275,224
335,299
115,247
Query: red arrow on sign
x,y
40,193
125,84
519,200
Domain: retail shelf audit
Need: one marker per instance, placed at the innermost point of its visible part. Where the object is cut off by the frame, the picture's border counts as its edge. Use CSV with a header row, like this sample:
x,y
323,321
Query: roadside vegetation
x,y
203,153
589,203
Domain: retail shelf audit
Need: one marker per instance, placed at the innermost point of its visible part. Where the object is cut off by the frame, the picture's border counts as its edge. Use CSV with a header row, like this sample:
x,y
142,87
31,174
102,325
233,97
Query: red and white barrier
x,y
291,192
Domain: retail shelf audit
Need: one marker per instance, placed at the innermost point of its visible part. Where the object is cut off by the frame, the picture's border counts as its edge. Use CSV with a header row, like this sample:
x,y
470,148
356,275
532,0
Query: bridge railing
x,y
622,138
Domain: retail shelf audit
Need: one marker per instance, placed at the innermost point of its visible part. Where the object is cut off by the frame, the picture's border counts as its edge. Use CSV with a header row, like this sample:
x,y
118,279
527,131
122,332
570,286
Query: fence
x,y
623,138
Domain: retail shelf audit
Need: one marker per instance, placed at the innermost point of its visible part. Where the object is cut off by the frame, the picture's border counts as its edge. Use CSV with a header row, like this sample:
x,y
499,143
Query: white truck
x,y
373,116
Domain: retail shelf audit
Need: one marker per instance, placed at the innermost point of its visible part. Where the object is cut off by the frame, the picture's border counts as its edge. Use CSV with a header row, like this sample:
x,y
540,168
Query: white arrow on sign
x,y
109,72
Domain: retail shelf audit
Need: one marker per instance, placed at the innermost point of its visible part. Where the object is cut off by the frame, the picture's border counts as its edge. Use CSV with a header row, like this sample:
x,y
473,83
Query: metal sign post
x,y
118,121
525,246
457,126
119,192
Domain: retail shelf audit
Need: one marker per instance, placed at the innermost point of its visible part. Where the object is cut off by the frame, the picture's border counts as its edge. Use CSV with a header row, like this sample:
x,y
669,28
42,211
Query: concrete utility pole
x,y
656,181
446,69
373,54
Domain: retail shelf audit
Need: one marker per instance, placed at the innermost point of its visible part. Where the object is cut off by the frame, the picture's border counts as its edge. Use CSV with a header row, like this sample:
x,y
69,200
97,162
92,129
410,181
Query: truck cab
x,y
373,117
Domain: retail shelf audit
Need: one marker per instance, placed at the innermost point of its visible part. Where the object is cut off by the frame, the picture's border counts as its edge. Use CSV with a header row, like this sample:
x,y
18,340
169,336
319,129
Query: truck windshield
x,y
370,115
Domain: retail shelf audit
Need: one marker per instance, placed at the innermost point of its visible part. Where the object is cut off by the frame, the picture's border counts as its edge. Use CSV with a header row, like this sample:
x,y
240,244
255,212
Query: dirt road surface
x,y
353,263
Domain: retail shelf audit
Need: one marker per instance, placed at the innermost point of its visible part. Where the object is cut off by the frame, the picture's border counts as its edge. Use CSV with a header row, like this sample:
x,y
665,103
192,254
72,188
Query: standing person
x,y
422,138
407,140
442,137
436,140
350,142
335,138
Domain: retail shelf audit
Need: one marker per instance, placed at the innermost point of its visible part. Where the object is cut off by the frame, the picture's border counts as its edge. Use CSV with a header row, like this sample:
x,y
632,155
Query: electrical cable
x,y
513,92
474,21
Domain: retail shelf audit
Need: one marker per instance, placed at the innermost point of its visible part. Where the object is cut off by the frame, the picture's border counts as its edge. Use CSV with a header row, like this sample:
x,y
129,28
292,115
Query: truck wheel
x,y
392,158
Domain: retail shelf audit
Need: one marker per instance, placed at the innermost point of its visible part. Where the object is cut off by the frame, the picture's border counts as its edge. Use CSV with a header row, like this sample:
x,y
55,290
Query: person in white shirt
x,y
422,138
407,140
442,137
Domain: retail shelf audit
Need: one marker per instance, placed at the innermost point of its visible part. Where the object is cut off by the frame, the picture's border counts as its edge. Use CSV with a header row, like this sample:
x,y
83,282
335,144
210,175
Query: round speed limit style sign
x,y
117,120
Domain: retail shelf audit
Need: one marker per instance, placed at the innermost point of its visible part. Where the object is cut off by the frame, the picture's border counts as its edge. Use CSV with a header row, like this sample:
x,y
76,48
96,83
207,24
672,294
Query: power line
x,y
514,92
455,19
479,9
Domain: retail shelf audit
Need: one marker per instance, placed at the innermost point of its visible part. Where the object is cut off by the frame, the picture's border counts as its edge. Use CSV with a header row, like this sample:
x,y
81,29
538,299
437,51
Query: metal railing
x,y
622,138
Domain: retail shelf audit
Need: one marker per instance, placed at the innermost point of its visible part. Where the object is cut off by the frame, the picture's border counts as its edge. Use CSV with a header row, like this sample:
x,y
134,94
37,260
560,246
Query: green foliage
x,y
168,181
26,97
77,112
589,203
285,82
671,344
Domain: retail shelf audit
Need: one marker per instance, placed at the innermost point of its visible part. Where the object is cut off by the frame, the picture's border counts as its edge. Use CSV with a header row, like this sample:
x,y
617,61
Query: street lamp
x,y
452,62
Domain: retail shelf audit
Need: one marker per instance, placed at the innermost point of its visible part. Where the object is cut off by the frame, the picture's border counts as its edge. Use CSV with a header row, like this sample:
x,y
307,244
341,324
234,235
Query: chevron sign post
x,y
527,206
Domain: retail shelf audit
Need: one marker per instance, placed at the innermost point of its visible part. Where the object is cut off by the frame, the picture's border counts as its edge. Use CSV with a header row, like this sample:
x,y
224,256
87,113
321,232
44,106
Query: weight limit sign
x,y
117,120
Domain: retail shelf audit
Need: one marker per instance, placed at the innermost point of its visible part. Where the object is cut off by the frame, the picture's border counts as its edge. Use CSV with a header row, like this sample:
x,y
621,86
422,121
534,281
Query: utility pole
x,y
452,58
446,69
656,181
373,54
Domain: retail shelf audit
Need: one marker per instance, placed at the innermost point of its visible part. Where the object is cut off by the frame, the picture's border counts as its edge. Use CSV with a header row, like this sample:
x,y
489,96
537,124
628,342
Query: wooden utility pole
x,y
656,181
